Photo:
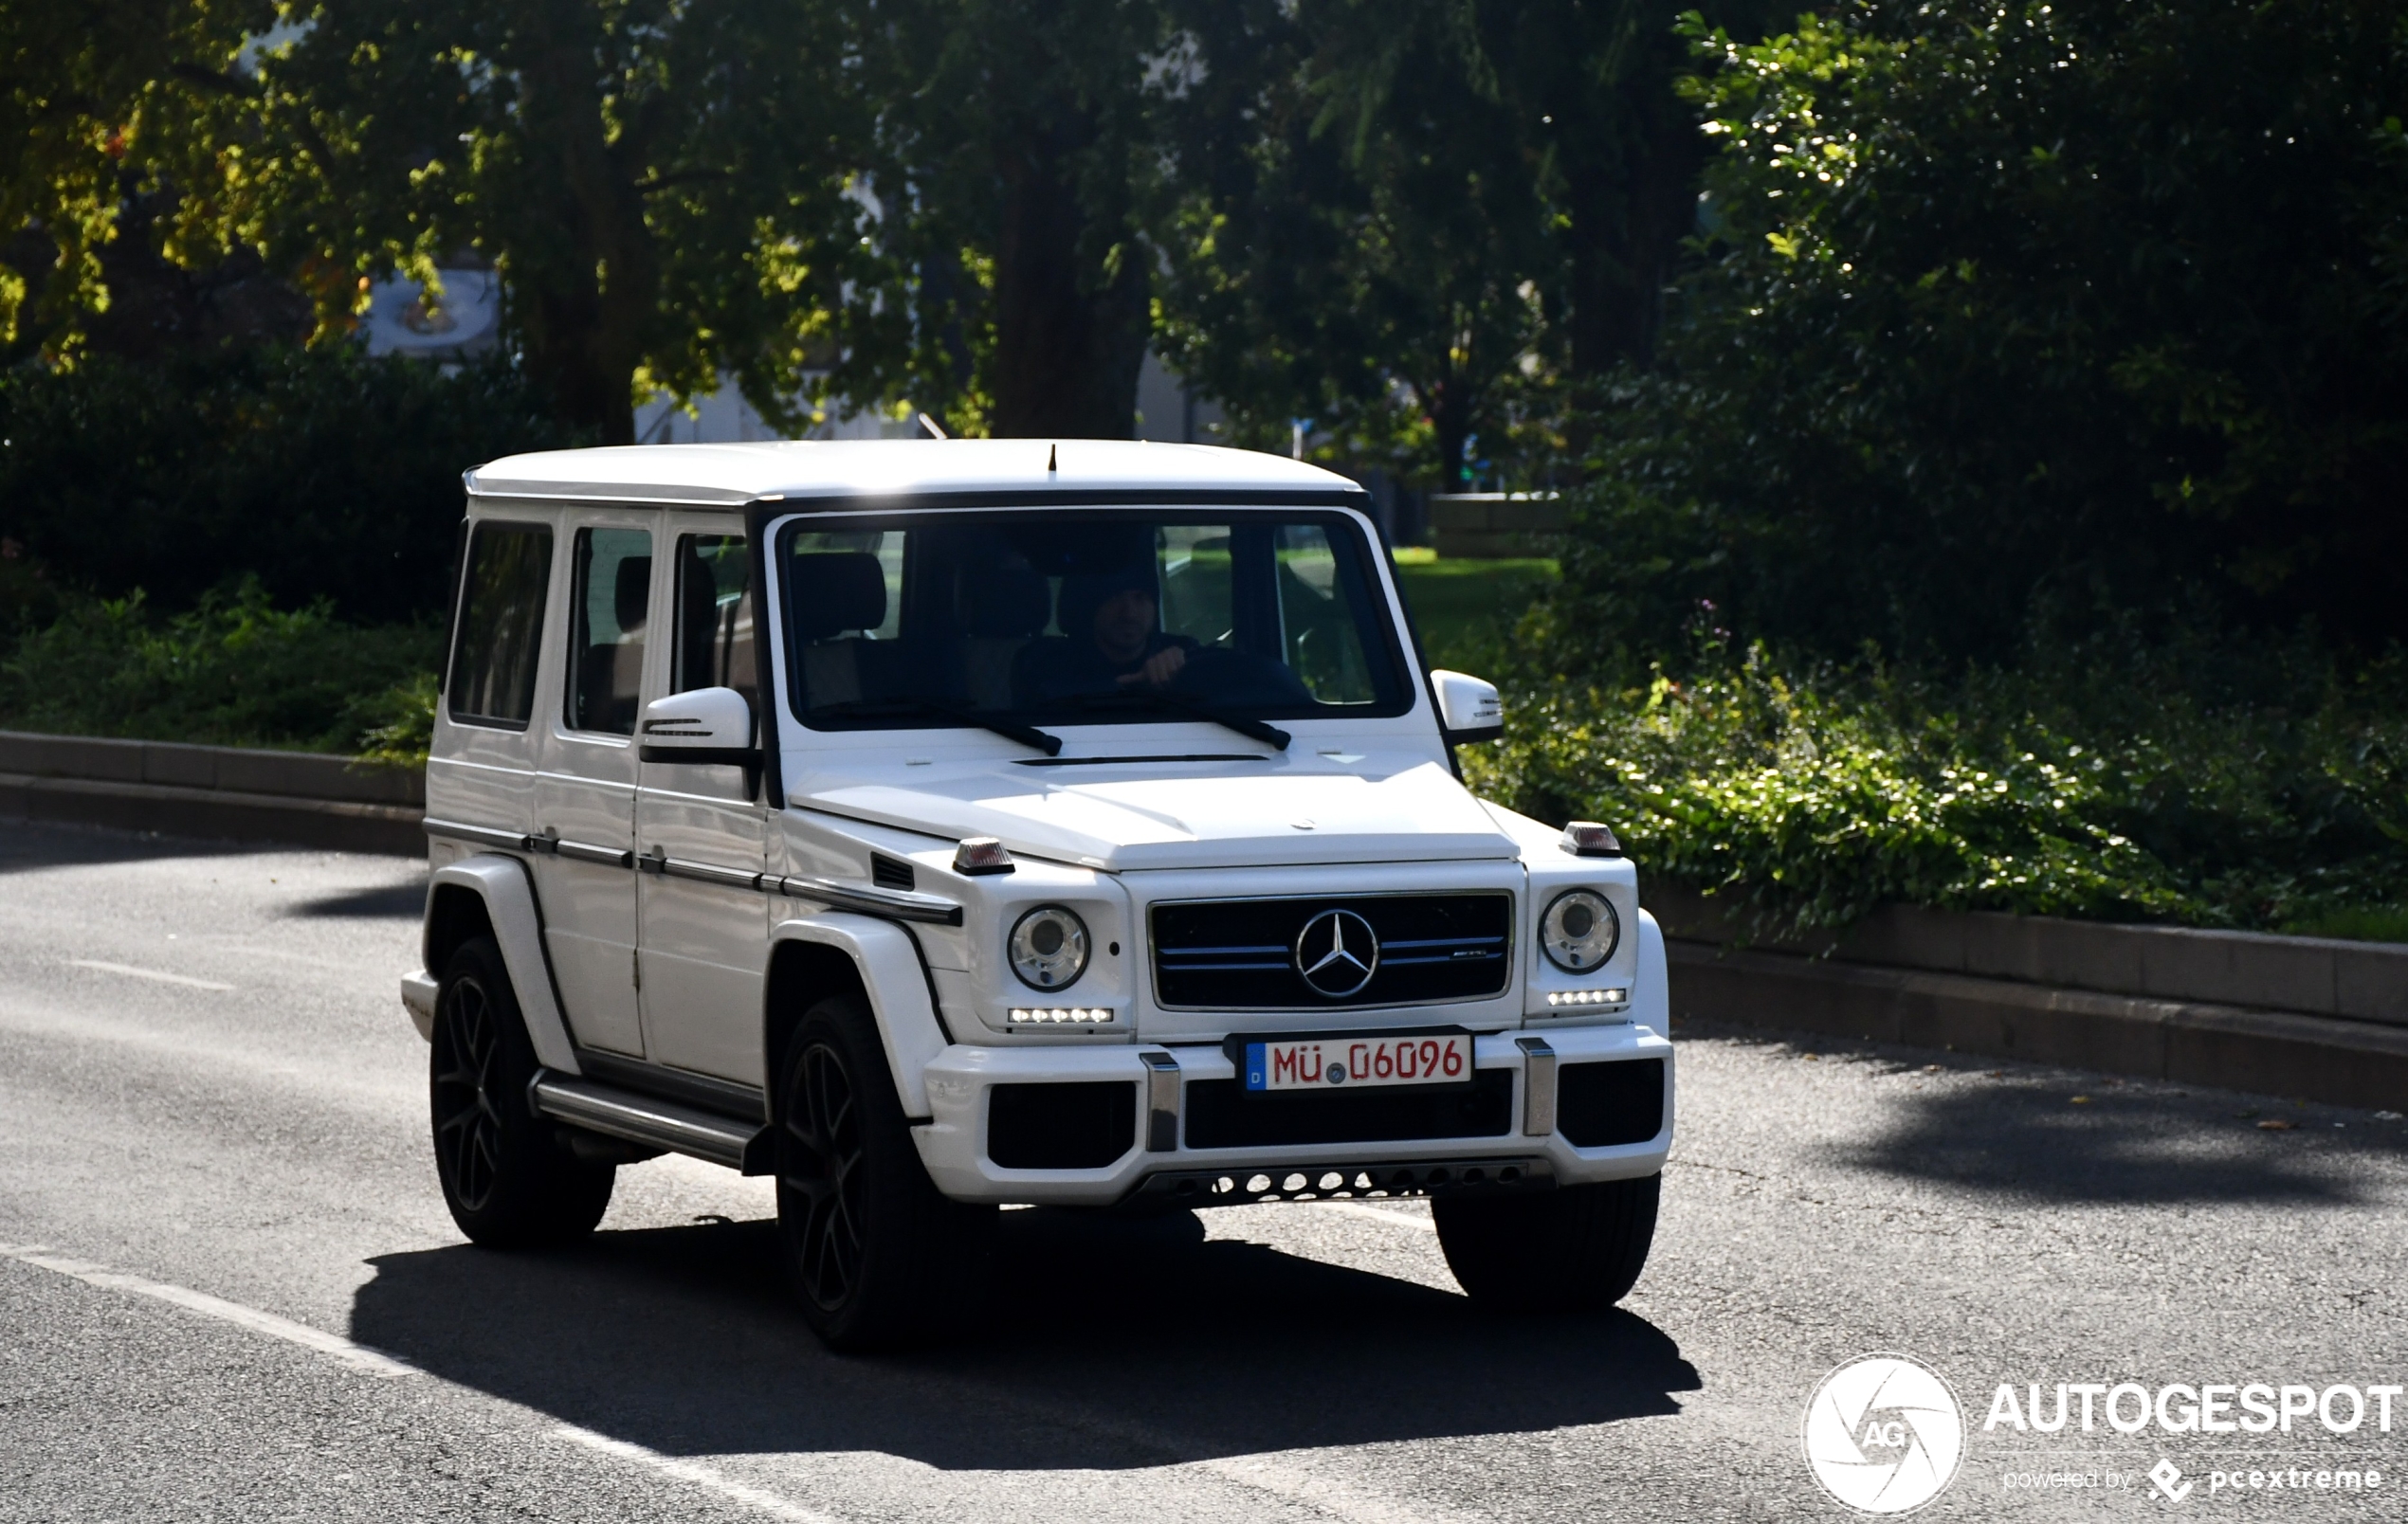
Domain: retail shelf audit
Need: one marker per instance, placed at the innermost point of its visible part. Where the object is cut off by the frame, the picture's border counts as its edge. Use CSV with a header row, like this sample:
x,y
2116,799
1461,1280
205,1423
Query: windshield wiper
x,y
868,708
1254,730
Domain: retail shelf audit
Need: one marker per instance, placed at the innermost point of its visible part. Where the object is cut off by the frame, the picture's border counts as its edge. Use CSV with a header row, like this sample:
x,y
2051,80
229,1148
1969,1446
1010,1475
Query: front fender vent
x,y
891,873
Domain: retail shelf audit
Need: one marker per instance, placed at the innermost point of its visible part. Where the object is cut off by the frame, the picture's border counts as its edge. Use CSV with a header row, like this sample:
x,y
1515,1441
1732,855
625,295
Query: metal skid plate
x,y
1240,1186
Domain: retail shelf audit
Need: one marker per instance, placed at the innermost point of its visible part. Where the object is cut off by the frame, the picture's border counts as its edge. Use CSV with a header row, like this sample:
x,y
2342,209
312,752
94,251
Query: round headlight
x,y
1580,930
1050,948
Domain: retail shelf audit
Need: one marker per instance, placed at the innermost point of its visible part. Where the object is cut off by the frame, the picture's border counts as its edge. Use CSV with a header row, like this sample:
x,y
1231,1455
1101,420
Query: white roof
x,y
733,474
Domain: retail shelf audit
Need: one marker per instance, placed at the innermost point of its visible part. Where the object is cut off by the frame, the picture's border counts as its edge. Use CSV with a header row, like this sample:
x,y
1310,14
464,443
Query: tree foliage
x,y
2019,310
1438,220
663,186
94,97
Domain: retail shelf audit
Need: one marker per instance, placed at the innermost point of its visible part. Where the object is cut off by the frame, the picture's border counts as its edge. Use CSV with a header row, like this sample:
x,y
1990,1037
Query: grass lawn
x,y
1466,609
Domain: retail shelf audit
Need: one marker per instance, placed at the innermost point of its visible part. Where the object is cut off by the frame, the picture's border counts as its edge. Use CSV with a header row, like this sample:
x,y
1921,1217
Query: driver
x,y
1111,642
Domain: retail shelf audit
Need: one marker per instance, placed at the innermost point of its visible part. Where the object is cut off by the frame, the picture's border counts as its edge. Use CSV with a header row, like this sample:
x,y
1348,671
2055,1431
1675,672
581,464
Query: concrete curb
x,y
2338,1060
2366,981
230,792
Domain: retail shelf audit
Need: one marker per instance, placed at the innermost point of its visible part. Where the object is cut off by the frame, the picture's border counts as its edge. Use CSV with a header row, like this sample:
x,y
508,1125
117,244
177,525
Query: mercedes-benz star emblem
x,y
1335,953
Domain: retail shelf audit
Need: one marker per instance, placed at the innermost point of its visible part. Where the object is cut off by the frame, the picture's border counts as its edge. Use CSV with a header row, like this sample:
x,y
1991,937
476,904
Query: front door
x,y
705,946
585,786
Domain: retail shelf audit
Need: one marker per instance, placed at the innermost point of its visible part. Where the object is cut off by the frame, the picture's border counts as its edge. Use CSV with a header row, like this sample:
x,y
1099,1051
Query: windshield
x,y
1039,616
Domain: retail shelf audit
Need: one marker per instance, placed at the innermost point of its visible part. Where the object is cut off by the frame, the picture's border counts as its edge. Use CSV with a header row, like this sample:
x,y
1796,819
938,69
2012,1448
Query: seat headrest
x,y
838,590
1004,601
632,592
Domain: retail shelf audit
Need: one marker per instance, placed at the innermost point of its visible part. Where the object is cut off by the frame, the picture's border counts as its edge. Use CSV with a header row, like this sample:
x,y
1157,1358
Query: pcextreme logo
x,y
1884,1434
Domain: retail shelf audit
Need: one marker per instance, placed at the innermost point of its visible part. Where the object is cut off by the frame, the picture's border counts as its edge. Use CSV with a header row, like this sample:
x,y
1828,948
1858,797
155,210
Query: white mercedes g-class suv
x,y
937,825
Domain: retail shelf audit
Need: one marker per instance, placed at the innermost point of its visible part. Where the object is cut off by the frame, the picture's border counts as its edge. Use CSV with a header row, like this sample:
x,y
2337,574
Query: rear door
x,y
703,827
584,789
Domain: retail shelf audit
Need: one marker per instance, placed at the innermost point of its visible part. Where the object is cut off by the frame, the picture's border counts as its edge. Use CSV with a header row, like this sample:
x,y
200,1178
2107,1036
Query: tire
x,y
507,1173
1579,1248
877,1257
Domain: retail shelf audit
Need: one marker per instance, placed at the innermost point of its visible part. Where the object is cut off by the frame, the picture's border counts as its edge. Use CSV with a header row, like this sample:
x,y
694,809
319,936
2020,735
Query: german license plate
x,y
1346,1062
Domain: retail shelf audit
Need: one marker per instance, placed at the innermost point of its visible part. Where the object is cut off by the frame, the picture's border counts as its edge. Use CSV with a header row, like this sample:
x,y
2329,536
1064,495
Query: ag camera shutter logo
x,y
1884,1434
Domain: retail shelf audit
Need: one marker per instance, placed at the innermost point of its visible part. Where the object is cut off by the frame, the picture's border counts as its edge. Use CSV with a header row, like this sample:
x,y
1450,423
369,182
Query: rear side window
x,y
606,642
501,594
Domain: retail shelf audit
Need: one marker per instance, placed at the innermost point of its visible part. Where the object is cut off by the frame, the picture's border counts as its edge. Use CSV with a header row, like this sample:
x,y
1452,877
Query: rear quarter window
x,y
501,624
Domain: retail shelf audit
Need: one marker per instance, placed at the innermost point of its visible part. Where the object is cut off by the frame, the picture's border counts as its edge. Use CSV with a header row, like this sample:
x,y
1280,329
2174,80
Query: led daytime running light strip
x,y
1054,1015
1588,997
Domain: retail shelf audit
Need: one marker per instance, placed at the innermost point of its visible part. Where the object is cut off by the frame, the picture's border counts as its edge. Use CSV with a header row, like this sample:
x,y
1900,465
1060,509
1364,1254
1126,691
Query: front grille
x,y
1080,1125
1240,955
1598,1105
1222,1116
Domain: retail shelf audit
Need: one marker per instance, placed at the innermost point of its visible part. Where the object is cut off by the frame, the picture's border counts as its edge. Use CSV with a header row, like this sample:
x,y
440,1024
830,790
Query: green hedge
x,y
324,473
2095,783
234,670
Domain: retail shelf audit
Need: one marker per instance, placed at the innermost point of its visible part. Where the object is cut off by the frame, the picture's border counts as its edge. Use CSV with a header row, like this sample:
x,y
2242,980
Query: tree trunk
x,y
1070,334
585,321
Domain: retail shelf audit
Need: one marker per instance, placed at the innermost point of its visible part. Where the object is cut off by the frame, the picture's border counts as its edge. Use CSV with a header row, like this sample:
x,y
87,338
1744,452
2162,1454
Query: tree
x,y
2021,311
1368,255
1023,166
665,188
1590,91
1454,214
93,97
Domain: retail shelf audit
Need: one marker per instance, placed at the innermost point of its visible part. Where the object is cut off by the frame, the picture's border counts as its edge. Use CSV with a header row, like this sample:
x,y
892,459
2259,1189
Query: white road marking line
x,y
358,1357
696,1474
1335,1498
133,972
1378,1214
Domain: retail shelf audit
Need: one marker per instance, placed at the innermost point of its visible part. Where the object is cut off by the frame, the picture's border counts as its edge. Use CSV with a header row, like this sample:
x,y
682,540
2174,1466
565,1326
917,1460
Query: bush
x,y
2199,784
326,474
233,670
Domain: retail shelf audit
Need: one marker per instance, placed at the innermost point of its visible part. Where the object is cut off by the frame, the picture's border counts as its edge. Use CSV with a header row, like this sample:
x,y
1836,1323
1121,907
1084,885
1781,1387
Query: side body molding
x,y
897,984
509,894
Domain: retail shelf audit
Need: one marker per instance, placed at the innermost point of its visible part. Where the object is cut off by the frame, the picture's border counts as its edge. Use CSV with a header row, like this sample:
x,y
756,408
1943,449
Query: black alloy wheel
x,y
509,1175
467,1124
821,1171
877,1255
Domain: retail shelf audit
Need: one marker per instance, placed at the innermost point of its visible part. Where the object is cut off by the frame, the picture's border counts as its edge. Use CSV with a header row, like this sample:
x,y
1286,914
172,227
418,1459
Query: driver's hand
x,y
1159,670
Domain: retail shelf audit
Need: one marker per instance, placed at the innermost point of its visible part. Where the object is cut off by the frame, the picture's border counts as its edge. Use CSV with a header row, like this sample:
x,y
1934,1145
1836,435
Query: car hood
x,y
1205,817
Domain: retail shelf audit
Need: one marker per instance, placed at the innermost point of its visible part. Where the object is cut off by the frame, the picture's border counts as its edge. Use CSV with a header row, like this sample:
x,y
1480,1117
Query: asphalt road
x,y
216,1199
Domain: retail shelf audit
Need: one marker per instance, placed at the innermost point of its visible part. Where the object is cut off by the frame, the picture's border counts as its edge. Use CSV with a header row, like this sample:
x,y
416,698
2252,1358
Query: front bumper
x,y
418,998
952,1143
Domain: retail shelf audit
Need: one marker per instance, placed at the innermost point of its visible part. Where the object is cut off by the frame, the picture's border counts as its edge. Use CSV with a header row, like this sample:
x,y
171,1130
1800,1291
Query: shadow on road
x,y
1114,1343
405,900
2140,1150
27,846
2015,1129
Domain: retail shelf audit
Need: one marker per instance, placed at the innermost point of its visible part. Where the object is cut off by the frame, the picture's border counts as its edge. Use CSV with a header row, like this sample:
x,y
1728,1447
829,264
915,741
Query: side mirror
x,y
1468,709
708,725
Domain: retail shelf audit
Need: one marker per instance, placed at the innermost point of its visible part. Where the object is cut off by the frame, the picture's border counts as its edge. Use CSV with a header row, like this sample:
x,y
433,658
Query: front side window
x,y
1090,617
714,614
606,638
501,624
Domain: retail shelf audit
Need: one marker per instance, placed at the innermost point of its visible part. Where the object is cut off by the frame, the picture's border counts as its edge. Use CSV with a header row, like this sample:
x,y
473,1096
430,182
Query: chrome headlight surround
x,y
1049,948
1580,931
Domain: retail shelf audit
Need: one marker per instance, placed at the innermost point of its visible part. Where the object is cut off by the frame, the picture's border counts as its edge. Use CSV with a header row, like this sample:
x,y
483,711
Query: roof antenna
x,y
1049,458
932,428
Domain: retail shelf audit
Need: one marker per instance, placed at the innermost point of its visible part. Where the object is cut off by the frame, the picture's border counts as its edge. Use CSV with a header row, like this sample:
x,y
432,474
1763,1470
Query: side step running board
x,y
661,1124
